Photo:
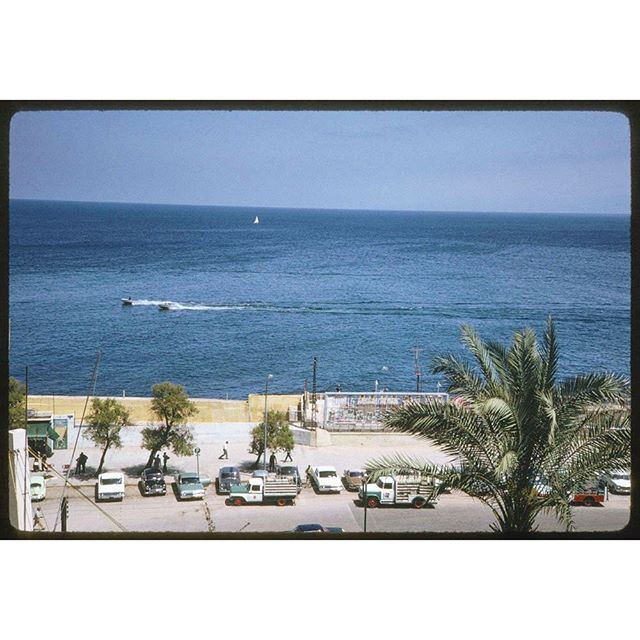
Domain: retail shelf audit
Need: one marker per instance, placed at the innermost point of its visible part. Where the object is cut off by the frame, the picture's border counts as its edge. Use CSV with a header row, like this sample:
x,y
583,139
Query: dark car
x,y
152,483
227,476
292,472
316,528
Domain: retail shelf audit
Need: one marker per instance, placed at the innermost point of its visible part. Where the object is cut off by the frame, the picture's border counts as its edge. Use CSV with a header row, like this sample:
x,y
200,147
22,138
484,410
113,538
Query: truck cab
x,y
383,490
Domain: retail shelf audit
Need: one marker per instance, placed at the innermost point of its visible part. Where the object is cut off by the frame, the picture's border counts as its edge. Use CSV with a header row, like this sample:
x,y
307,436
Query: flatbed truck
x,y
278,490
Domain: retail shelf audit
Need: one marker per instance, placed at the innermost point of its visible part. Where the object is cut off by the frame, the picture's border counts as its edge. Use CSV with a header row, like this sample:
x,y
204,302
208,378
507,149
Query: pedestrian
x,y
272,462
78,466
225,451
38,520
82,458
288,457
156,462
165,458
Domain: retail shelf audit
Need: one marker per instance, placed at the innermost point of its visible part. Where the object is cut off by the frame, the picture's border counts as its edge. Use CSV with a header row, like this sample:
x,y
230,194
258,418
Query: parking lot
x,y
454,512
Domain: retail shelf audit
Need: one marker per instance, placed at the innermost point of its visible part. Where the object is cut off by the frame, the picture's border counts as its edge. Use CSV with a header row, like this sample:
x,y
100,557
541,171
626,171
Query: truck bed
x,y
280,486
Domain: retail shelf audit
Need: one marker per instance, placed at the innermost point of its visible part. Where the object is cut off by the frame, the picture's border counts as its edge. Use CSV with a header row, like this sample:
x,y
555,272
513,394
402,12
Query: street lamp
x,y
266,391
197,452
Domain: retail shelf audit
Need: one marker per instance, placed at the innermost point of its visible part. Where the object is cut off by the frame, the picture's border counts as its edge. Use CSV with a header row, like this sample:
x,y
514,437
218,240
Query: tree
x,y
523,440
17,395
279,435
172,407
106,420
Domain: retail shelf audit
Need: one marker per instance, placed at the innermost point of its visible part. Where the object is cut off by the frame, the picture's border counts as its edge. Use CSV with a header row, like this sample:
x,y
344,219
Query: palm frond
x,y
480,352
549,357
462,380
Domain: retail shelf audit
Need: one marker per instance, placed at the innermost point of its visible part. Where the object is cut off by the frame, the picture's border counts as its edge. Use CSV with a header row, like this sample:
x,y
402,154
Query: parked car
x,y
291,471
152,483
324,479
189,486
618,481
110,486
227,476
316,528
38,488
352,479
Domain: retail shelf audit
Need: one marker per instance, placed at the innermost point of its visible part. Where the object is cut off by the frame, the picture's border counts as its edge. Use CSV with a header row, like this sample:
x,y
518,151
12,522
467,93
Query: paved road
x,y
454,512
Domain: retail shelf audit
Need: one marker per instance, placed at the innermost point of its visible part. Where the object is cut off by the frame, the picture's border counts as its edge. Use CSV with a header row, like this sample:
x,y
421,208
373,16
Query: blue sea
x,y
356,289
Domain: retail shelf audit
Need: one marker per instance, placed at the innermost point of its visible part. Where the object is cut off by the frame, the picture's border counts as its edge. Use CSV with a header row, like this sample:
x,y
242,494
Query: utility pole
x,y
416,352
26,442
64,514
314,389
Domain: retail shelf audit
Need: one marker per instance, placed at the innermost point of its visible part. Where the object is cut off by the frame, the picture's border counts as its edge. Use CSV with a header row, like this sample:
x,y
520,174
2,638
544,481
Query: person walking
x,y
288,457
78,466
156,462
225,451
165,459
38,520
272,462
82,459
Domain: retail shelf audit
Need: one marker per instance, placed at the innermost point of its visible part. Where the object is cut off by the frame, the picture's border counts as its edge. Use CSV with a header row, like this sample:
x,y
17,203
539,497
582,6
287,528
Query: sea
x,y
357,290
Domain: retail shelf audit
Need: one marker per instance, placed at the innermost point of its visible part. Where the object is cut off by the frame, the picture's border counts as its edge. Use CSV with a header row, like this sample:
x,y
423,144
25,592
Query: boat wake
x,y
142,303
347,308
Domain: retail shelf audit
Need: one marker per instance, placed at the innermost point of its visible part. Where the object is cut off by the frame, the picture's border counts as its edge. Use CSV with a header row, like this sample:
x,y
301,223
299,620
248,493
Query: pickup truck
x,y
324,479
270,490
414,490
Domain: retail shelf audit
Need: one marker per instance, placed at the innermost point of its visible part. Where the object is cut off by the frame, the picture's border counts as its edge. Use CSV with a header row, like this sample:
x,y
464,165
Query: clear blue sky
x,y
439,161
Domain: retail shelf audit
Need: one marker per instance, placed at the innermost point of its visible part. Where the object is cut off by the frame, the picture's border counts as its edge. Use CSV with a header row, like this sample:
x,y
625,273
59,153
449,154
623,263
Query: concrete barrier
x,y
209,410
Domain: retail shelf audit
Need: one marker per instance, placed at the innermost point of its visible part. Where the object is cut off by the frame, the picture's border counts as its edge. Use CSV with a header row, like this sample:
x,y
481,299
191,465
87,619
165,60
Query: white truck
x,y
414,490
278,490
324,479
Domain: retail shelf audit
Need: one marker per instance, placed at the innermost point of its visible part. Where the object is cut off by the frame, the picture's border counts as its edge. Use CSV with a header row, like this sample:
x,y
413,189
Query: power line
x,y
90,392
90,501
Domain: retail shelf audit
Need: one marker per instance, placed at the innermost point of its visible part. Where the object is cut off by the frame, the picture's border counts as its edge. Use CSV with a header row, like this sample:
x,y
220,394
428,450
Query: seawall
x,y
209,410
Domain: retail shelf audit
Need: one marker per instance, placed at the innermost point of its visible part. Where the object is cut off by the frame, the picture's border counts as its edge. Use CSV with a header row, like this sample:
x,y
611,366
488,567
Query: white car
x,y
325,479
618,481
110,486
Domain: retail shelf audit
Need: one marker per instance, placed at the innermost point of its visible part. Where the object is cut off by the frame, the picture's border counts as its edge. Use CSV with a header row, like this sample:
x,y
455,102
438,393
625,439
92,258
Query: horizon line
x,y
294,208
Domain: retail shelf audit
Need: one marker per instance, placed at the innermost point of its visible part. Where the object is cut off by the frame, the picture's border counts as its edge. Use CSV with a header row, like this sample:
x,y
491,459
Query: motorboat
x,y
127,302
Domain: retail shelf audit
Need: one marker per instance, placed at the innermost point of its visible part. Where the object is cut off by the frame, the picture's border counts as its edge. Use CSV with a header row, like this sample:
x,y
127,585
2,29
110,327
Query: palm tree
x,y
523,442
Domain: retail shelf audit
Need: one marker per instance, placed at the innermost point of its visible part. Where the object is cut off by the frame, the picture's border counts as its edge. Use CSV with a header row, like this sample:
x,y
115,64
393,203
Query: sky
x,y
564,162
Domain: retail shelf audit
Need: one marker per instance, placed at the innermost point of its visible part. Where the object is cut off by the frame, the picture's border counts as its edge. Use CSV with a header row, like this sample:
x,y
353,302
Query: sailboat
x,y
257,220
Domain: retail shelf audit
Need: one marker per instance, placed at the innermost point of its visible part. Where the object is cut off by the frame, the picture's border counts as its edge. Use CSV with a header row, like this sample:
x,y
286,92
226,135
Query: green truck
x,y
415,490
278,490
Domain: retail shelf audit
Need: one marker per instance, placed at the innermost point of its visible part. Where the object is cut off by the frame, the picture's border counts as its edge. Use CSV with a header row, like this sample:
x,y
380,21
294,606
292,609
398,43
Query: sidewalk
x,y
350,452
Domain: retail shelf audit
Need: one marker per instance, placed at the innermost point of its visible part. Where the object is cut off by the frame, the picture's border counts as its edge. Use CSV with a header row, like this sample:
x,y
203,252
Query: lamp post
x,y
197,452
266,391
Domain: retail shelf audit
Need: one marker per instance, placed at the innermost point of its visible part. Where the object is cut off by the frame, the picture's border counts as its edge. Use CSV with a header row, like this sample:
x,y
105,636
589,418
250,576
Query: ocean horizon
x,y
355,288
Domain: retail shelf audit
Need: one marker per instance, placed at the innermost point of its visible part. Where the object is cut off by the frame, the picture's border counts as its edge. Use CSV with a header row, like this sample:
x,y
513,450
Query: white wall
x,y
20,509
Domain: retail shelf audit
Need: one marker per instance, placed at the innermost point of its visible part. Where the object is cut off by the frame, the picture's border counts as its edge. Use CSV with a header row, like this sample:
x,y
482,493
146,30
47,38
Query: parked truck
x,y
414,490
278,490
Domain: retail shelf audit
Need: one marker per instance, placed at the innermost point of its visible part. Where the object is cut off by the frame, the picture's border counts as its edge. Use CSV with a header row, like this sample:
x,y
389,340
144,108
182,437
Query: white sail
x,y
256,221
